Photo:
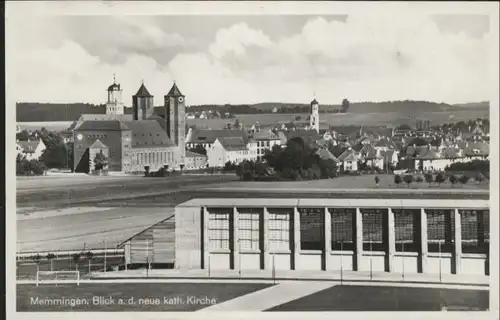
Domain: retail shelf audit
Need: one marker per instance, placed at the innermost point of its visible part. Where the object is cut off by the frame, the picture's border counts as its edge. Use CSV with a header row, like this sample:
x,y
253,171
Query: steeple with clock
x,y
175,120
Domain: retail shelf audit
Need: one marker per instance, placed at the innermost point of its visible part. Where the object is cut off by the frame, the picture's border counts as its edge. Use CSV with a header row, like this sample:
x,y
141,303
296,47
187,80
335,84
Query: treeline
x,y
297,161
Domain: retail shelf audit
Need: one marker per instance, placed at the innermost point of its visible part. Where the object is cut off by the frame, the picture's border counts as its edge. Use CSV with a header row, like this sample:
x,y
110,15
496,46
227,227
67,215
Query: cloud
x,y
362,58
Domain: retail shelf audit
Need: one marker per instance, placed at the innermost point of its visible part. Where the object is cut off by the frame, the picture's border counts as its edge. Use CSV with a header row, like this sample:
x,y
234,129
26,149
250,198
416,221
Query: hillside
x,y
38,112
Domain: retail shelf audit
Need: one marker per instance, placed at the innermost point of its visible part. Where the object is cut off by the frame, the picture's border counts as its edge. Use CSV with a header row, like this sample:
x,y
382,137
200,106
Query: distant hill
x,y
38,112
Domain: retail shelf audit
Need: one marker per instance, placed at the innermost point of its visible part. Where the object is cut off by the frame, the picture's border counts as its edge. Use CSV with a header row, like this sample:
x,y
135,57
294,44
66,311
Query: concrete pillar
x,y
457,254
358,243
391,238
328,238
265,240
206,243
423,241
296,236
236,239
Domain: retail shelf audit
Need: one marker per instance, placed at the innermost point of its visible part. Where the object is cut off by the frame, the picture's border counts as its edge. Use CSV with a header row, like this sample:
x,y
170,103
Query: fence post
x,y
341,260
105,248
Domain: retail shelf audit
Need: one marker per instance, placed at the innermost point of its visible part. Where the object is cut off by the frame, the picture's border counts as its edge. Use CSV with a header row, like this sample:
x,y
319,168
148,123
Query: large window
x,y
249,227
219,228
475,231
373,229
311,228
279,229
342,228
406,224
440,230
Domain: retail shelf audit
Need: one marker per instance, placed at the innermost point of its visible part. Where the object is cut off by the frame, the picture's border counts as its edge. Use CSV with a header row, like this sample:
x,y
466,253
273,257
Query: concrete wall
x,y
189,245
192,240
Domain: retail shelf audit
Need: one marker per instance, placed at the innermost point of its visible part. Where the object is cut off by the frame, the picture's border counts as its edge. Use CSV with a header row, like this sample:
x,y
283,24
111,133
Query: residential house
x,y
231,149
265,140
195,160
349,159
31,149
207,137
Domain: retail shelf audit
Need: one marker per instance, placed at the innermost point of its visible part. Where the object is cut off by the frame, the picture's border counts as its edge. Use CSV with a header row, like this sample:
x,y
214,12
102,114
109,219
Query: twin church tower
x,y
143,109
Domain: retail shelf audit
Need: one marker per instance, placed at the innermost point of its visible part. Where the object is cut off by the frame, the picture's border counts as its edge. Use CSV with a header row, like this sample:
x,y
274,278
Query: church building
x,y
133,142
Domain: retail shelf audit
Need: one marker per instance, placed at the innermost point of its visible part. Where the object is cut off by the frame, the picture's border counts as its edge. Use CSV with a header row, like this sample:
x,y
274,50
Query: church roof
x,y
148,133
102,125
191,154
101,117
143,92
174,91
314,101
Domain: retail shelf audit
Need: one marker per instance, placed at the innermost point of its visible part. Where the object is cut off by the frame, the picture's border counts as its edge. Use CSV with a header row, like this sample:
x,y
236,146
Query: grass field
x,y
365,298
353,182
177,296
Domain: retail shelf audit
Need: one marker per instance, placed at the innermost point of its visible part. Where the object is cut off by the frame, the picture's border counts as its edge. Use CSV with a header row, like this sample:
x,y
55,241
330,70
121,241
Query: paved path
x,y
270,297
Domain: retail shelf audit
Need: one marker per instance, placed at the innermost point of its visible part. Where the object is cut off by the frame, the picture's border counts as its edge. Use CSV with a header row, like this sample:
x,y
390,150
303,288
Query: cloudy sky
x,y
249,59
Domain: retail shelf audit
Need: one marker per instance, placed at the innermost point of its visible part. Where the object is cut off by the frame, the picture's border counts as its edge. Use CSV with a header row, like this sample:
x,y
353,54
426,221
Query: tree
x,y
345,106
453,179
100,161
89,255
23,135
181,166
236,124
298,118
37,259
419,179
146,171
199,149
464,179
479,177
76,259
440,178
398,179
429,178
408,179
377,180
50,257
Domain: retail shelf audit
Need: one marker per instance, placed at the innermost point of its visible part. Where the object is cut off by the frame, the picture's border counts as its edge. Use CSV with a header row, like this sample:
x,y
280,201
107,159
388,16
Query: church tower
x,y
143,104
314,117
175,120
114,104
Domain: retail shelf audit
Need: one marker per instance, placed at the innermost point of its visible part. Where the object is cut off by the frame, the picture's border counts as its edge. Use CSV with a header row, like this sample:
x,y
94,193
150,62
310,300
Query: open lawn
x,y
155,296
366,298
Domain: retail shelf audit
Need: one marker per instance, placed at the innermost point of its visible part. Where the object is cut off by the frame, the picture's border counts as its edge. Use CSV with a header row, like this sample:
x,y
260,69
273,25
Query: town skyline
x,y
251,59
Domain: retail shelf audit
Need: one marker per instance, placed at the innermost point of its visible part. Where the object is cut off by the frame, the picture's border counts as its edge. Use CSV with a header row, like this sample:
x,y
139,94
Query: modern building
x,y
411,236
134,142
265,140
423,125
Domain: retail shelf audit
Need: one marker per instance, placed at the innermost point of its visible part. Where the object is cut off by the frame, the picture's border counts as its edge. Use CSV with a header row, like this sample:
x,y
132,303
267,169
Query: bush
x,y
464,179
408,179
440,178
419,179
398,179
453,179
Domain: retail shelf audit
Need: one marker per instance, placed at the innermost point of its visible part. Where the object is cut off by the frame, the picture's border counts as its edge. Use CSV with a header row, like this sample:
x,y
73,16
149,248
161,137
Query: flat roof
x,y
341,203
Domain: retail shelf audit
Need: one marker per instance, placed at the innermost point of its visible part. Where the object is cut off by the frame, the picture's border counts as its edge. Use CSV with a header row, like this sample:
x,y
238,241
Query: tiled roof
x,y
191,154
368,152
388,154
209,136
477,149
265,135
143,92
308,136
174,91
325,154
148,133
384,143
103,125
102,117
29,146
450,153
431,154
233,143
98,145
348,154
